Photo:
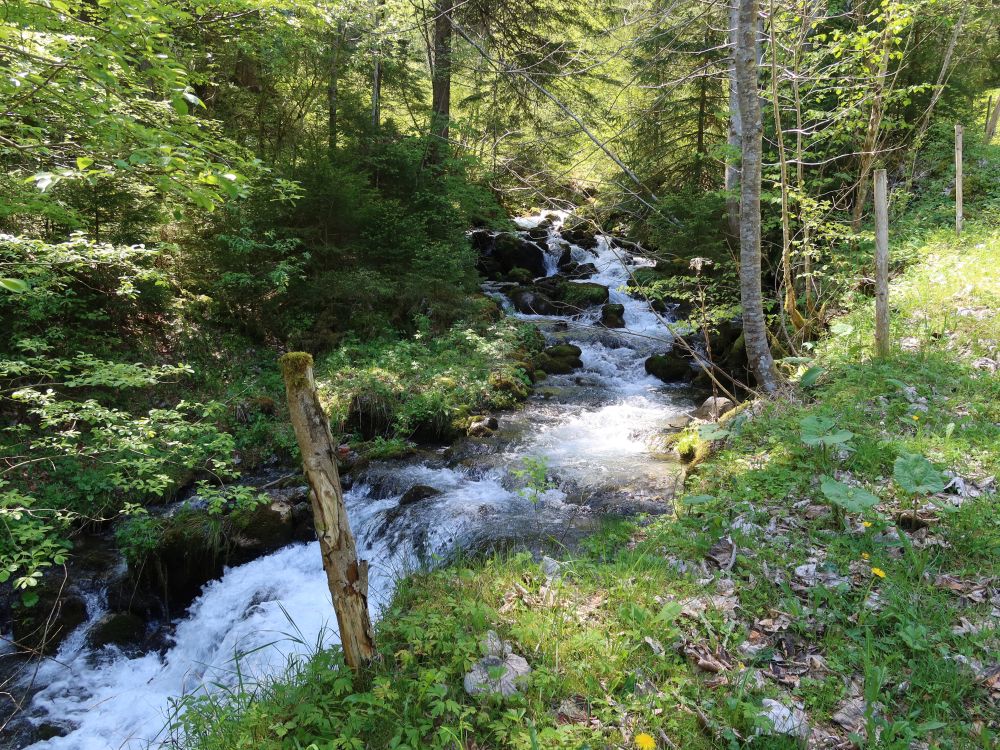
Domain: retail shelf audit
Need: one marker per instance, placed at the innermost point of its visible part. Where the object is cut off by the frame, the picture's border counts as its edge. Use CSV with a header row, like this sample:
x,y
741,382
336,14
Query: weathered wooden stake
x,y
958,180
346,575
881,265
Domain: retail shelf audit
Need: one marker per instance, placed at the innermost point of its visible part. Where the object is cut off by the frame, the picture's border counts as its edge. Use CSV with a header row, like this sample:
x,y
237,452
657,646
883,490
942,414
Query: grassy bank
x,y
678,632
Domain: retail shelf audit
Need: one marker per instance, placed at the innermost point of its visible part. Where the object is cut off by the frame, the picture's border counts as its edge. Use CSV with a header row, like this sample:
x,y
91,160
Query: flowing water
x,y
596,428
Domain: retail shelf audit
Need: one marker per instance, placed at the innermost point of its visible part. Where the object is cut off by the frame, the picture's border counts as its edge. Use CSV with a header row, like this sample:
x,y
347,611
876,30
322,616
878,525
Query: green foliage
x,y
916,474
821,432
534,473
852,499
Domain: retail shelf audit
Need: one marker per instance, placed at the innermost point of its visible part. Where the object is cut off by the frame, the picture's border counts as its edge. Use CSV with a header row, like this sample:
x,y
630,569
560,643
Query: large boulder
x,y
531,301
613,316
584,294
117,629
672,366
511,251
579,270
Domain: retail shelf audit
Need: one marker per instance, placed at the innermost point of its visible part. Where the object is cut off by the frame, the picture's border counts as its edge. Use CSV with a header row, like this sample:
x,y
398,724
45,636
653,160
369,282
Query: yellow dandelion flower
x,y
866,524
878,572
864,555
915,417
645,741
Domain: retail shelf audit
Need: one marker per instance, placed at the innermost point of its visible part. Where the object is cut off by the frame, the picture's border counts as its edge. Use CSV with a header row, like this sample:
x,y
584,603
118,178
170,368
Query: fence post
x,y
958,180
881,265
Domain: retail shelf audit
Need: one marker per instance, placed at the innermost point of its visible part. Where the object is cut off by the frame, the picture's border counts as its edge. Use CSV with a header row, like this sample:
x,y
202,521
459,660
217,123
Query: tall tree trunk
x,y
700,143
992,122
786,231
346,576
377,76
441,78
735,138
754,325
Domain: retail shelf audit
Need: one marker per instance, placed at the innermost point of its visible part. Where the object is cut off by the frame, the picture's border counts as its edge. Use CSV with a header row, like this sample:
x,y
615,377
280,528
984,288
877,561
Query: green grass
x,y
614,633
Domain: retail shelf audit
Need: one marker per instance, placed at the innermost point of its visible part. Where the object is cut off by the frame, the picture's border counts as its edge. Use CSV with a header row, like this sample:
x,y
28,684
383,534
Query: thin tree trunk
x,y
346,576
754,325
377,76
870,144
735,131
881,264
700,142
786,230
993,121
441,77
333,92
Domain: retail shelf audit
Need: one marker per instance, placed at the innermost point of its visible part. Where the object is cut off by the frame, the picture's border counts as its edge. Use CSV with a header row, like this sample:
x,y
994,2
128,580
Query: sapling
x,y
917,477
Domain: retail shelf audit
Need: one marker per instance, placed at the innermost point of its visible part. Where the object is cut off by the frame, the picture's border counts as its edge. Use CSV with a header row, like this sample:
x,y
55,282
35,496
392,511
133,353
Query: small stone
x,y
418,492
551,568
785,720
494,675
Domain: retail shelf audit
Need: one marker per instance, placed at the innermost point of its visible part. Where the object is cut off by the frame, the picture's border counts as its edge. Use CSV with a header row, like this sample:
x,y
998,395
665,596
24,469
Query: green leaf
x,y
14,285
712,431
916,474
841,329
810,376
29,598
82,162
851,499
697,499
821,431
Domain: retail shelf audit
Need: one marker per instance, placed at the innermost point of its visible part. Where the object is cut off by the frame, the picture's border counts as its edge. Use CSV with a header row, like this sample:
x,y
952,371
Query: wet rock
x,y
565,257
679,421
561,359
500,671
713,408
511,251
613,316
481,427
579,270
45,625
267,528
669,367
117,629
584,294
580,235
539,233
418,492
530,301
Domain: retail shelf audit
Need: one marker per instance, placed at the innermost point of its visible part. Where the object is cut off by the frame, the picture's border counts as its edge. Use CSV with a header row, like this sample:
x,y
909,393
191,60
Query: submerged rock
x,y
45,625
561,359
669,367
117,629
481,427
418,492
613,316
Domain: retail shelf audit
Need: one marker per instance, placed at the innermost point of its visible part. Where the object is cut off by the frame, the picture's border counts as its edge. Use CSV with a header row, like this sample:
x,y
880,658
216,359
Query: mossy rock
x,y
560,359
45,625
585,294
519,275
613,316
117,629
669,367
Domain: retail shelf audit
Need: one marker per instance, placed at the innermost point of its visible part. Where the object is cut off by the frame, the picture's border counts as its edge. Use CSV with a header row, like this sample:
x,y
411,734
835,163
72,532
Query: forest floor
x,y
753,616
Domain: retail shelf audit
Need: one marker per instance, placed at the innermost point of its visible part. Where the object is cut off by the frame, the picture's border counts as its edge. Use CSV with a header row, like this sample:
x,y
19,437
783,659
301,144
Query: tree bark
x,y
346,576
991,123
754,325
333,92
735,130
786,230
881,265
441,75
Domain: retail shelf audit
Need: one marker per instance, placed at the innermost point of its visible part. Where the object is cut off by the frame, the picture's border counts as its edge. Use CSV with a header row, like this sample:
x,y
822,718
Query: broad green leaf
x,y
712,431
810,376
14,285
697,499
851,499
916,474
822,431
82,162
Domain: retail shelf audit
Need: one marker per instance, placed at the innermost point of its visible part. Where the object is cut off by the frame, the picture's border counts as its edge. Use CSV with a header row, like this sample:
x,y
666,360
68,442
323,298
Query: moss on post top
x,y
295,367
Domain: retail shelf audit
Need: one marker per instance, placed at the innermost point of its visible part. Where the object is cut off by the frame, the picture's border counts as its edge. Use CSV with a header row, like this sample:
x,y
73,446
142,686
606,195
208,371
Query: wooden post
x,y
881,265
346,576
958,180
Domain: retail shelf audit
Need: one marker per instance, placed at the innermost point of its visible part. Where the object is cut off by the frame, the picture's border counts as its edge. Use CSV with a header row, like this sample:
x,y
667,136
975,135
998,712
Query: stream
x,y
595,427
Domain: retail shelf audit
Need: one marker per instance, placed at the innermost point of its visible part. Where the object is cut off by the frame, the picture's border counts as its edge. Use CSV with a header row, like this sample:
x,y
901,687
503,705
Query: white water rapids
x,y
594,428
